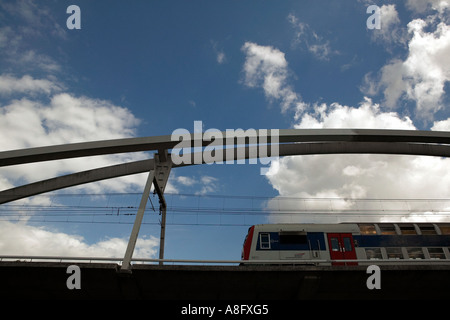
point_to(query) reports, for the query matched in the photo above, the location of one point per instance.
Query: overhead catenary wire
(199, 205)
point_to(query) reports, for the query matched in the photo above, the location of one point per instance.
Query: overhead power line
(196, 209)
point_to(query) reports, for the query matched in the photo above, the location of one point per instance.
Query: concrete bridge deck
(47, 280)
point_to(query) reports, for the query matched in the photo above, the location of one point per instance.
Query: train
(347, 244)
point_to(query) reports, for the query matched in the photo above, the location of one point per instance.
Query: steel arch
(291, 142)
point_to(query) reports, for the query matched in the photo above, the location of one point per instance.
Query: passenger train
(359, 243)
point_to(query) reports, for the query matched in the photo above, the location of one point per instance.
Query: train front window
(264, 240)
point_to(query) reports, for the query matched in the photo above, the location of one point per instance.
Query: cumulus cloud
(60, 117)
(22, 239)
(347, 177)
(266, 67)
(64, 119)
(390, 31)
(421, 6)
(30, 122)
(422, 76)
(442, 125)
(367, 115)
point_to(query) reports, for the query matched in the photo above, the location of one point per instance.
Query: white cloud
(22, 239)
(60, 118)
(266, 67)
(206, 184)
(32, 60)
(65, 119)
(220, 54)
(38, 19)
(26, 85)
(46, 115)
(390, 31)
(314, 43)
(421, 6)
(422, 76)
(221, 57)
(9, 40)
(356, 176)
(73, 119)
(186, 181)
(32, 21)
(442, 125)
(367, 115)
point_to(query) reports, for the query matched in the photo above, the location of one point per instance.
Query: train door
(341, 248)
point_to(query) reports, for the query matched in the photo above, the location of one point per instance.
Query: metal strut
(158, 176)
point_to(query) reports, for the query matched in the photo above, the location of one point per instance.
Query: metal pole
(163, 234)
(126, 264)
(163, 165)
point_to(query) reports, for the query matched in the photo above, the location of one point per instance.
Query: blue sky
(145, 68)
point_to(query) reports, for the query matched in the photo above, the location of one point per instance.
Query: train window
(445, 228)
(407, 229)
(334, 244)
(436, 253)
(415, 253)
(427, 229)
(394, 253)
(293, 238)
(367, 229)
(264, 240)
(387, 228)
(347, 244)
(373, 253)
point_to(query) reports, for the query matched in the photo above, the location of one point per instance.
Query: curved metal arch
(239, 153)
(83, 149)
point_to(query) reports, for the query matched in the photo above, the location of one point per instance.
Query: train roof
(312, 227)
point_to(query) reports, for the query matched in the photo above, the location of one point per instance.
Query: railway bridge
(128, 280)
(43, 279)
